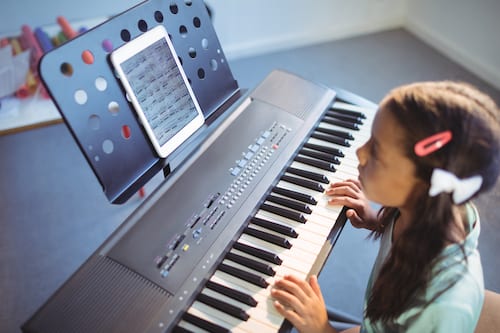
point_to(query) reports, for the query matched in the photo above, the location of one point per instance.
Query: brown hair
(424, 109)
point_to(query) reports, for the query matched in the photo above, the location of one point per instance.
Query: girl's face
(386, 174)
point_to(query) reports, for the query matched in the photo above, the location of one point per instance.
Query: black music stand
(83, 86)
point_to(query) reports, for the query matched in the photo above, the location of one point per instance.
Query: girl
(434, 147)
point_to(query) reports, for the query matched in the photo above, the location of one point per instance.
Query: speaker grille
(103, 296)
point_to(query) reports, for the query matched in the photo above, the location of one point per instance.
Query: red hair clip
(432, 143)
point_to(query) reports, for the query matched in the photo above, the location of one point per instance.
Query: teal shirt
(458, 308)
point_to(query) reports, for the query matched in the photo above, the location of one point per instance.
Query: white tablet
(157, 86)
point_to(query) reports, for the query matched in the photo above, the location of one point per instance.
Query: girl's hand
(302, 303)
(350, 193)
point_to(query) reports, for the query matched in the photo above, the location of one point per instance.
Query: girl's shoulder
(455, 291)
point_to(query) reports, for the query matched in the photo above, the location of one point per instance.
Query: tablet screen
(157, 86)
(160, 90)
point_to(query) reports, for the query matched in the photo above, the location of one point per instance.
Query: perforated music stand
(82, 84)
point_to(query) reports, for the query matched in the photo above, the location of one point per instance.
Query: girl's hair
(421, 110)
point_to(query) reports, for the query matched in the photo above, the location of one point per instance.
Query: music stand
(83, 86)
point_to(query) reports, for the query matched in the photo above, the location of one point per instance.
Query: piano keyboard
(244, 209)
(287, 232)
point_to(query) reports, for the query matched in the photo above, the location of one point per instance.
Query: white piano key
(258, 293)
(300, 266)
(357, 108)
(343, 149)
(263, 296)
(292, 265)
(319, 197)
(312, 226)
(193, 328)
(351, 150)
(322, 208)
(220, 318)
(334, 176)
(363, 129)
(271, 232)
(314, 218)
(321, 225)
(301, 269)
(293, 252)
(357, 135)
(307, 241)
(322, 212)
(280, 273)
(257, 313)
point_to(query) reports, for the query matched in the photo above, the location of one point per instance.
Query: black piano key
(232, 293)
(334, 132)
(349, 112)
(345, 117)
(341, 123)
(270, 238)
(316, 163)
(319, 155)
(279, 228)
(331, 138)
(250, 263)
(244, 275)
(287, 213)
(315, 186)
(295, 195)
(204, 324)
(259, 253)
(179, 329)
(292, 204)
(223, 306)
(324, 149)
(309, 175)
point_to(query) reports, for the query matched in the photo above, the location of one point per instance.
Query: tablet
(157, 87)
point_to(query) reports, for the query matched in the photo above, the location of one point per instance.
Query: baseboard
(455, 52)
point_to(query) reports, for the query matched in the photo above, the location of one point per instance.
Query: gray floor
(53, 214)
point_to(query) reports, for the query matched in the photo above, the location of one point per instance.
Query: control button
(254, 148)
(242, 163)
(266, 134)
(235, 171)
(248, 155)
(260, 141)
(197, 233)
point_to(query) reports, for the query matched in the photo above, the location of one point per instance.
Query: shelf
(22, 114)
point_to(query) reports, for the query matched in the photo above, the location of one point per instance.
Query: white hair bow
(462, 189)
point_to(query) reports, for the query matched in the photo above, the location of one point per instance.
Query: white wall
(258, 26)
(466, 31)
(15, 13)
(244, 27)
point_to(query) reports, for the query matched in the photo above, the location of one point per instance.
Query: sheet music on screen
(160, 90)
